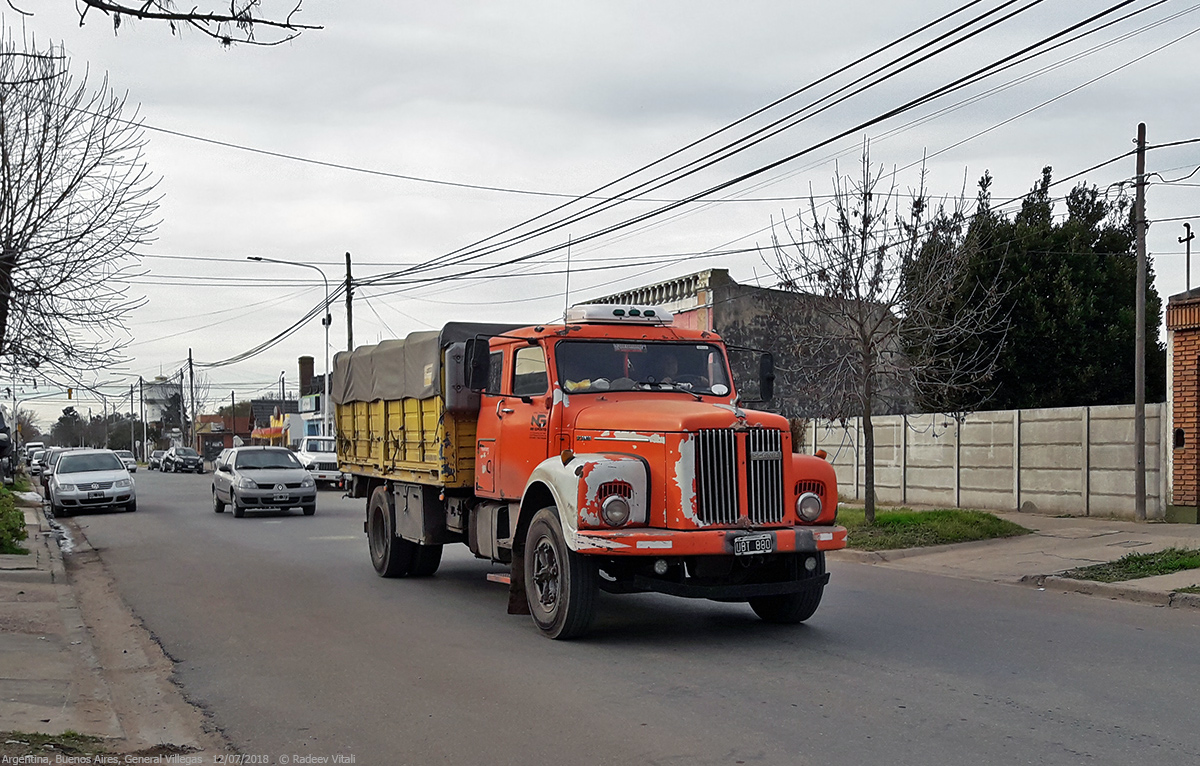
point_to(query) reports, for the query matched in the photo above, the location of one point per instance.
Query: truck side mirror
(766, 377)
(479, 357)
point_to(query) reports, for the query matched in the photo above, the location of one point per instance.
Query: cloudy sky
(540, 101)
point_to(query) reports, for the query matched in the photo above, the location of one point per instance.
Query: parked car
(156, 459)
(90, 478)
(35, 461)
(128, 459)
(255, 478)
(182, 459)
(30, 448)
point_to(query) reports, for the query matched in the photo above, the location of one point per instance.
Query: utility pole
(182, 414)
(232, 419)
(132, 421)
(192, 385)
(145, 432)
(1139, 369)
(349, 306)
(1188, 241)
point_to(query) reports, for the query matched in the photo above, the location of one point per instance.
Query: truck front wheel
(792, 608)
(560, 584)
(391, 555)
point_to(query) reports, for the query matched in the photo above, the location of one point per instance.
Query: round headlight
(615, 510)
(808, 507)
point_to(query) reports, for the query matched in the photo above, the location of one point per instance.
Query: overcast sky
(561, 98)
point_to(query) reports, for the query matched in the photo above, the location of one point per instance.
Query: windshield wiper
(658, 385)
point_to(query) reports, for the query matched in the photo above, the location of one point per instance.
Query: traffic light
(70, 393)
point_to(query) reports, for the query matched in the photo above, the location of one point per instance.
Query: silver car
(90, 478)
(128, 459)
(254, 478)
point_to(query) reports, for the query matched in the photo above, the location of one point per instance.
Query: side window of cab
(495, 372)
(529, 372)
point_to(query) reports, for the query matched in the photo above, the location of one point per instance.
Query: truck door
(524, 419)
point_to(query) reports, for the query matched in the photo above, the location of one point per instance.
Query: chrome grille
(764, 480)
(716, 476)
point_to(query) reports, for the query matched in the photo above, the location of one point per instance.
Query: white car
(316, 453)
(90, 478)
(128, 459)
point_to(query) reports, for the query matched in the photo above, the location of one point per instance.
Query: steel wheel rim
(377, 537)
(546, 573)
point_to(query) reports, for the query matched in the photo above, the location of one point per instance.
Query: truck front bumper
(644, 541)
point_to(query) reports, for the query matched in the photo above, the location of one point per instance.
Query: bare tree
(885, 328)
(235, 24)
(76, 200)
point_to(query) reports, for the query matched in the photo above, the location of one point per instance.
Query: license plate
(749, 545)
(281, 498)
(95, 495)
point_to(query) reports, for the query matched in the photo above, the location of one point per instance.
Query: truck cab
(319, 455)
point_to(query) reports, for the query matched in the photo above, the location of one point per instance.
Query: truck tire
(426, 560)
(390, 555)
(560, 584)
(792, 608)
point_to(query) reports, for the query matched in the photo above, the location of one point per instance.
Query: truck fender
(578, 488)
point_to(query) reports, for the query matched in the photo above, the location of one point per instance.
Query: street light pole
(326, 320)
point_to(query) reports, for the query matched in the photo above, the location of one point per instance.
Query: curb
(1113, 591)
(895, 554)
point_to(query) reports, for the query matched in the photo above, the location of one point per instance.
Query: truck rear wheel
(390, 555)
(560, 584)
(426, 560)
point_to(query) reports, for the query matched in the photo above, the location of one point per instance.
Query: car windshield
(320, 445)
(268, 458)
(157, 453)
(96, 461)
(37, 455)
(186, 452)
(598, 366)
(125, 453)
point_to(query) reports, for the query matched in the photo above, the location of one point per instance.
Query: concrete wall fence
(1074, 460)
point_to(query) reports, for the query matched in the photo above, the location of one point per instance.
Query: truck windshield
(597, 366)
(319, 445)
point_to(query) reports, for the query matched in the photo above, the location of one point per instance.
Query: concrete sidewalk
(49, 679)
(73, 658)
(1056, 545)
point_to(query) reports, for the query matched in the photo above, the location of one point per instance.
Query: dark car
(156, 459)
(182, 459)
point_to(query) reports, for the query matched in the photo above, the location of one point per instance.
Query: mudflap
(518, 602)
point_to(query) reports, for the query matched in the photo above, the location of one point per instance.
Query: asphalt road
(284, 634)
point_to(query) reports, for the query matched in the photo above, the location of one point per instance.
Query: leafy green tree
(1068, 289)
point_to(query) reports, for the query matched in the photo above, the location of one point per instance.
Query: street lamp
(326, 320)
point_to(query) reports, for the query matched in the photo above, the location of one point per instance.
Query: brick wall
(1183, 322)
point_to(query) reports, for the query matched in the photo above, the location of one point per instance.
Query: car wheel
(218, 504)
(238, 510)
(131, 506)
(560, 585)
(390, 555)
(309, 510)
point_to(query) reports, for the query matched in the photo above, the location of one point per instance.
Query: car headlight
(308, 482)
(246, 483)
(310, 467)
(615, 510)
(64, 487)
(808, 507)
(123, 483)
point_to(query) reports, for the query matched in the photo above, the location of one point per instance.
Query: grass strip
(1134, 566)
(906, 528)
(1189, 589)
(61, 748)
(12, 525)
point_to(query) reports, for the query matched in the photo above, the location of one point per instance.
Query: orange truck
(610, 452)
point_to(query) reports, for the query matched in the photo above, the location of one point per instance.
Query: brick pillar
(1183, 322)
